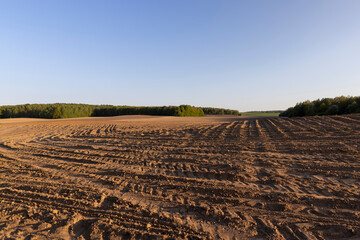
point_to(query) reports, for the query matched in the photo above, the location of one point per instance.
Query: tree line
(71, 110)
(324, 106)
(182, 110)
(220, 111)
(52, 111)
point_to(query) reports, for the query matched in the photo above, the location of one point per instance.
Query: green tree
(56, 113)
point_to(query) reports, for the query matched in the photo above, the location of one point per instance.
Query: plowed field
(180, 178)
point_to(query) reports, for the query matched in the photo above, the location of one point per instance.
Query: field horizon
(152, 160)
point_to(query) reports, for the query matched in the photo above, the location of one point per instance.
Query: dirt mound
(186, 178)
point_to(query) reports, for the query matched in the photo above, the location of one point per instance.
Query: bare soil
(140, 177)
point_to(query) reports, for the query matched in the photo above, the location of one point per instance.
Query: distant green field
(261, 114)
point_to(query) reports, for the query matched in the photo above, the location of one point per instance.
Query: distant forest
(182, 111)
(71, 110)
(220, 111)
(325, 106)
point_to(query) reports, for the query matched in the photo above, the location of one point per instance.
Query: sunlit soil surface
(180, 178)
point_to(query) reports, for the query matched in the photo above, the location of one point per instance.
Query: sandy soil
(180, 178)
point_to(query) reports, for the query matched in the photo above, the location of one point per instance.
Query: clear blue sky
(245, 55)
